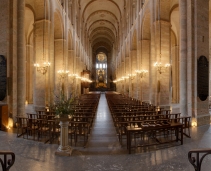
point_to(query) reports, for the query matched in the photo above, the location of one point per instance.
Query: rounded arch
(32, 9)
(134, 41)
(96, 0)
(127, 49)
(145, 28)
(103, 22)
(58, 26)
(29, 37)
(42, 8)
(174, 20)
(175, 27)
(29, 21)
(70, 40)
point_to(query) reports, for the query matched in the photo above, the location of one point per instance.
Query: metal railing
(5, 162)
(196, 159)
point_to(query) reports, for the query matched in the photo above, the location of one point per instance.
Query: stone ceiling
(101, 19)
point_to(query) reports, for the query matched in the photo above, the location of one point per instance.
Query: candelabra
(142, 73)
(42, 68)
(161, 68)
(131, 76)
(63, 73)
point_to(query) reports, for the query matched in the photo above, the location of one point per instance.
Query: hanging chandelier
(43, 68)
(63, 73)
(142, 73)
(160, 67)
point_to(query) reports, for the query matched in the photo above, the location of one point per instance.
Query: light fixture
(63, 73)
(142, 73)
(160, 67)
(85, 79)
(43, 68)
(131, 76)
(72, 75)
(194, 122)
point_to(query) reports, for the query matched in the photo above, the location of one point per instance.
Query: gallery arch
(101, 70)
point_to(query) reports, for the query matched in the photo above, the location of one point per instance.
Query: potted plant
(63, 106)
(64, 109)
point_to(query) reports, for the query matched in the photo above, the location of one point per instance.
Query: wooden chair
(82, 129)
(31, 115)
(21, 126)
(32, 127)
(121, 130)
(71, 131)
(42, 116)
(50, 117)
(186, 125)
(53, 131)
(42, 128)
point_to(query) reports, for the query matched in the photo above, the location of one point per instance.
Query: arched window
(101, 70)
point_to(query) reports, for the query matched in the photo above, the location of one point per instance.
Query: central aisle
(103, 138)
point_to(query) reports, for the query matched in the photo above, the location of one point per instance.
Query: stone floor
(103, 152)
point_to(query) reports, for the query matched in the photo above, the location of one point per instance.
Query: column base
(64, 152)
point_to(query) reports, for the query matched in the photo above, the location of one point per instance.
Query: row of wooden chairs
(127, 114)
(44, 126)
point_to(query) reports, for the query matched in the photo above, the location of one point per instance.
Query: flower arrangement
(63, 106)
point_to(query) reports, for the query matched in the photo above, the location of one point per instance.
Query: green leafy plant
(63, 106)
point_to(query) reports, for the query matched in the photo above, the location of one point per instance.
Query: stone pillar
(145, 90)
(153, 58)
(139, 51)
(64, 149)
(164, 78)
(133, 68)
(175, 74)
(200, 47)
(123, 75)
(127, 71)
(21, 56)
(29, 73)
(183, 56)
(41, 56)
(11, 36)
(71, 71)
(77, 69)
(59, 61)
(109, 72)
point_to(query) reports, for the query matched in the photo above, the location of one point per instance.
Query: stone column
(200, 47)
(64, 149)
(109, 72)
(139, 51)
(165, 58)
(153, 57)
(133, 68)
(71, 71)
(183, 56)
(21, 56)
(41, 56)
(59, 58)
(29, 73)
(123, 74)
(175, 74)
(127, 71)
(12, 58)
(145, 90)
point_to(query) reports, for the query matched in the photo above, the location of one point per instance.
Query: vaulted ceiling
(101, 19)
